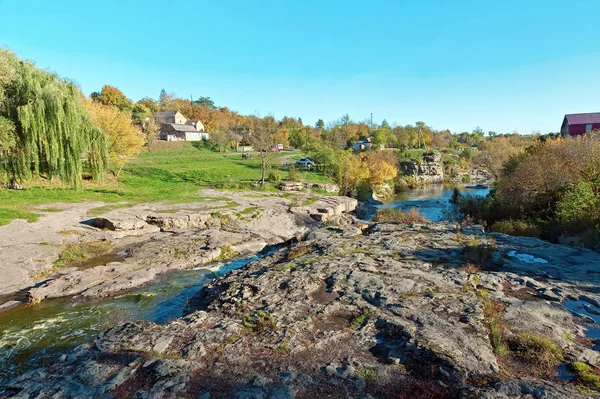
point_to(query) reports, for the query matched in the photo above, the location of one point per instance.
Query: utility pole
(371, 120)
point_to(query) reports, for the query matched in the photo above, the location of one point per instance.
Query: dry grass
(540, 353)
(471, 268)
(413, 216)
(299, 251)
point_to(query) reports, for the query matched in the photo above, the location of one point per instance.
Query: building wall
(581, 128)
(195, 136)
(179, 118)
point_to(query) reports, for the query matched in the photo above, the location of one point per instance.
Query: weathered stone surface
(429, 170)
(291, 186)
(201, 237)
(327, 187)
(383, 312)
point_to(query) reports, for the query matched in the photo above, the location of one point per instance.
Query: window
(588, 127)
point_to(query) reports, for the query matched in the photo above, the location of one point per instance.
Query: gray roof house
(175, 127)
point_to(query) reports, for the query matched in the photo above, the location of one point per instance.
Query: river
(32, 336)
(37, 335)
(432, 201)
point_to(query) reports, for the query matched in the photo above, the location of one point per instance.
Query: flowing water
(432, 201)
(37, 335)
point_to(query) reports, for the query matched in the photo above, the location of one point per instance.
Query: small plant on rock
(260, 322)
(585, 376)
(538, 351)
(299, 251)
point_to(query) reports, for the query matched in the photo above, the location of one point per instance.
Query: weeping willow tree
(47, 127)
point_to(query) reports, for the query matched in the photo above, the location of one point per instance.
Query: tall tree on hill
(44, 116)
(206, 101)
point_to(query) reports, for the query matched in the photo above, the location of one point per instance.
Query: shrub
(578, 206)
(476, 208)
(413, 216)
(274, 176)
(294, 175)
(516, 228)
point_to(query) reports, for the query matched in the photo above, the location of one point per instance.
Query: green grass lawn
(175, 175)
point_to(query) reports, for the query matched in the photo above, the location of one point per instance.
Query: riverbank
(423, 310)
(143, 241)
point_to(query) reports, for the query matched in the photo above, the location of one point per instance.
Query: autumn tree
(124, 138)
(112, 96)
(150, 104)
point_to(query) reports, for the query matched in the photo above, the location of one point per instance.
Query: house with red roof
(577, 124)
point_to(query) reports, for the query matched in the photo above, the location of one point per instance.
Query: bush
(578, 206)
(516, 228)
(413, 216)
(475, 208)
(274, 176)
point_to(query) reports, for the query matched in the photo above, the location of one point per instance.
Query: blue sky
(502, 65)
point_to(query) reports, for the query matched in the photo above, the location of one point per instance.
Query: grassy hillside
(173, 174)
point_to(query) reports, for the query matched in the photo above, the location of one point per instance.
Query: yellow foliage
(372, 168)
(380, 170)
(124, 138)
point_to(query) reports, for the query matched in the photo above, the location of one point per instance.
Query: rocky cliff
(384, 311)
(428, 171)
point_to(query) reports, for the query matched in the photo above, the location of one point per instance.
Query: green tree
(263, 140)
(297, 138)
(221, 138)
(8, 140)
(206, 101)
(320, 124)
(53, 132)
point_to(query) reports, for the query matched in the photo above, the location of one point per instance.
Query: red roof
(580, 119)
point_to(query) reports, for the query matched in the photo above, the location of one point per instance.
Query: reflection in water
(591, 314)
(431, 200)
(32, 336)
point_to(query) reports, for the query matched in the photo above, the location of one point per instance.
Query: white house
(175, 127)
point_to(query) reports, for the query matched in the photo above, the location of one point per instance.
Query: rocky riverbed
(143, 241)
(355, 311)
